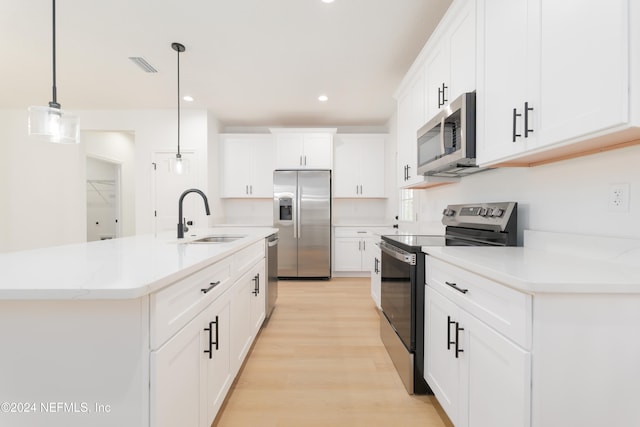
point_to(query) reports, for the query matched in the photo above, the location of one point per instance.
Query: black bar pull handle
(256, 280)
(211, 286)
(444, 98)
(449, 323)
(458, 349)
(527, 131)
(455, 286)
(210, 329)
(515, 116)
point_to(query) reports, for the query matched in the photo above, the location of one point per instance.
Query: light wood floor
(319, 361)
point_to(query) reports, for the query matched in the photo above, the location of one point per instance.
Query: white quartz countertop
(536, 270)
(123, 268)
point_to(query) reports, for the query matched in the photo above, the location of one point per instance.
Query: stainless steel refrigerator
(302, 215)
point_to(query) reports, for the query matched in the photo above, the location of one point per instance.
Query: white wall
(154, 130)
(568, 196)
(43, 184)
(42, 188)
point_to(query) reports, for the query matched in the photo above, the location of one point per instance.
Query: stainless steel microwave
(447, 143)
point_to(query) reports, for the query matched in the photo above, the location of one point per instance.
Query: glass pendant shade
(179, 166)
(53, 125)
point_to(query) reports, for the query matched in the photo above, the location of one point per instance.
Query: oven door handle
(397, 253)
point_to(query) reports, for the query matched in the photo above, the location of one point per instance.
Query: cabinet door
(177, 382)
(410, 117)
(347, 164)
(376, 278)
(241, 319)
(504, 68)
(372, 166)
(262, 167)
(348, 254)
(318, 151)
(217, 364)
(584, 71)
(437, 86)
(289, 150)
(462, 51)
(441, 366)
(497, 378)
(235, 166)
(258, 298)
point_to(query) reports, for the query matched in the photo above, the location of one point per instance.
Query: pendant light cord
(54, 101)
(178, 101)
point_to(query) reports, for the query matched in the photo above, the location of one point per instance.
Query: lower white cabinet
(376, 275)
(191, 373)
(354, 249)
(479, 376)
(248, 312)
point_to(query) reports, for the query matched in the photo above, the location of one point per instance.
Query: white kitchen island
(138, 331)
(543, 335)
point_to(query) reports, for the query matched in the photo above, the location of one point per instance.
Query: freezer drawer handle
(211, 342)
(455, 286)
(211, 286)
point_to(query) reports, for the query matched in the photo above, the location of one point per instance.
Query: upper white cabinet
(450, 66)
(359, 167)
(445, 68)
(304, 148)
(553, 76)
(247, 165)
(410, 118)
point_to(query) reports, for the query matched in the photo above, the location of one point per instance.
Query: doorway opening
(103, 199)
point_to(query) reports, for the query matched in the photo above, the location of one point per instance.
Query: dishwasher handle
(397, 253)
(272, 243)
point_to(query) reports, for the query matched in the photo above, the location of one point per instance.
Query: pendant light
(178, 47)
(51, 123)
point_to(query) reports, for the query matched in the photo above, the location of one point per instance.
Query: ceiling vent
(142, 63)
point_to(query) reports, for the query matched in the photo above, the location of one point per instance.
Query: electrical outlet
(619, 198)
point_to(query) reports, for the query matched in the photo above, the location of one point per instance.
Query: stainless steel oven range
(402, 291)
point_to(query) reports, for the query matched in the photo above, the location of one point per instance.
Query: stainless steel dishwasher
(272, 273)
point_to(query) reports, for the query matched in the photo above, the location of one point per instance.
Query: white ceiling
(250, 62)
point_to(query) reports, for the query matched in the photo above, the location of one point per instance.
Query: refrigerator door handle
(298, 219)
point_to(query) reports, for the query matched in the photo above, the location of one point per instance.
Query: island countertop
(122, 268)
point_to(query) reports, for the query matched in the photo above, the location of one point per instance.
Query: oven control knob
(497, 212)
(483, 211)
(448, 212)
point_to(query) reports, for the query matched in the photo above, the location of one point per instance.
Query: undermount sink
(217, 238)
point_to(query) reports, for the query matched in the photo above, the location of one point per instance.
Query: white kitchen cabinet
(359, 166)
(258, 295)
(475, 365)
(304, 149)
(247, 165)
(191, 372)
(552, 77)
(411, 116)
(354, 249)
(376, 274)
(450, 66)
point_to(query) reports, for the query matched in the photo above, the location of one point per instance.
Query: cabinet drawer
(504, 309)
(352, 232)
(247, 257)
(174, 306)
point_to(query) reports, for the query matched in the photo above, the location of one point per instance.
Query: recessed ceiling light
(327, 1)
(323, 98)
(188, 98)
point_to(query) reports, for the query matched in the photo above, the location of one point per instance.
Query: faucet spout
(181, 224)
